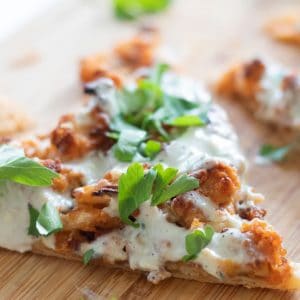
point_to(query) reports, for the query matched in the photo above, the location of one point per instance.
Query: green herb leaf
(188, 120)
(14, 166)
(48, 220)
(33, 216)
(180, 185)
(196, 241)
(87, 256)
(151, 148)
(148, 111)
(128, 143)
(131, 9)
(273, 153)
(137, 103)
(45, 222)
(158, 71)
(163, 178)
(134, 189)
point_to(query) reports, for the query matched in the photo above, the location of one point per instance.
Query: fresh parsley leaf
(14, 166)
(176, 112)
(158, 71)
(196, 241)
(147, 111)
(113, 135)
(151, 148)
(87, 256)
(163, 191)
(132, 9)
(273, 153)
(163, 178)
(134, 189)
(33, 216)
(186, 121)
(128, 143)
(45, 222)
(137, 103)
(49, 220)
(118, 124)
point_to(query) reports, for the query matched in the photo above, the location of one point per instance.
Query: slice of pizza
(147, 177)
(270, 91)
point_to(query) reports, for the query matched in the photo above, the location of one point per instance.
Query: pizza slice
(269, 91)
(147, 177)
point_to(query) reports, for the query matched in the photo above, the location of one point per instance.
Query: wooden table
(206, 36)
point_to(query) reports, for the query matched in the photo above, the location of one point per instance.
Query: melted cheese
(14, 214)
(156, 241)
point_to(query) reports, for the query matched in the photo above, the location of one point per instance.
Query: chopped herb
(132, 9)
(273, 153)
(136, 187)
(147, 112)
(16, 167)
(87, 256)
(176, 112)
(128, 143)
(151, 148)
(196, 241)
(158, 71)
(164, 191)
(45, 222)
(33, 216)
(188, 120)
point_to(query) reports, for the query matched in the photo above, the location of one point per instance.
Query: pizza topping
(45, 222)
(157, 113)
(130, 10)
(268, 90)
(138, 51)
(196, 241)
(134, 188)
(285, 28)
(219, 183)
(158, 184)
(268, 153)
(87, 256)
(16, 167)
(129, 144)
(269, 244)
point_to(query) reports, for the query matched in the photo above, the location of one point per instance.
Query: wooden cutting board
(38, 70)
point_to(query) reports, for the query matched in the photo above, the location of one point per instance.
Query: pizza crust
(189, 271)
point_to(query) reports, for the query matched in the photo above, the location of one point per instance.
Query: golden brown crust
(182, 270)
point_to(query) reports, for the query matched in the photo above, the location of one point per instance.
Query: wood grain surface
(205, 36)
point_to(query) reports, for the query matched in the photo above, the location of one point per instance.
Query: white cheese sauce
(197, 147)
(14, 214)
(157, 241)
